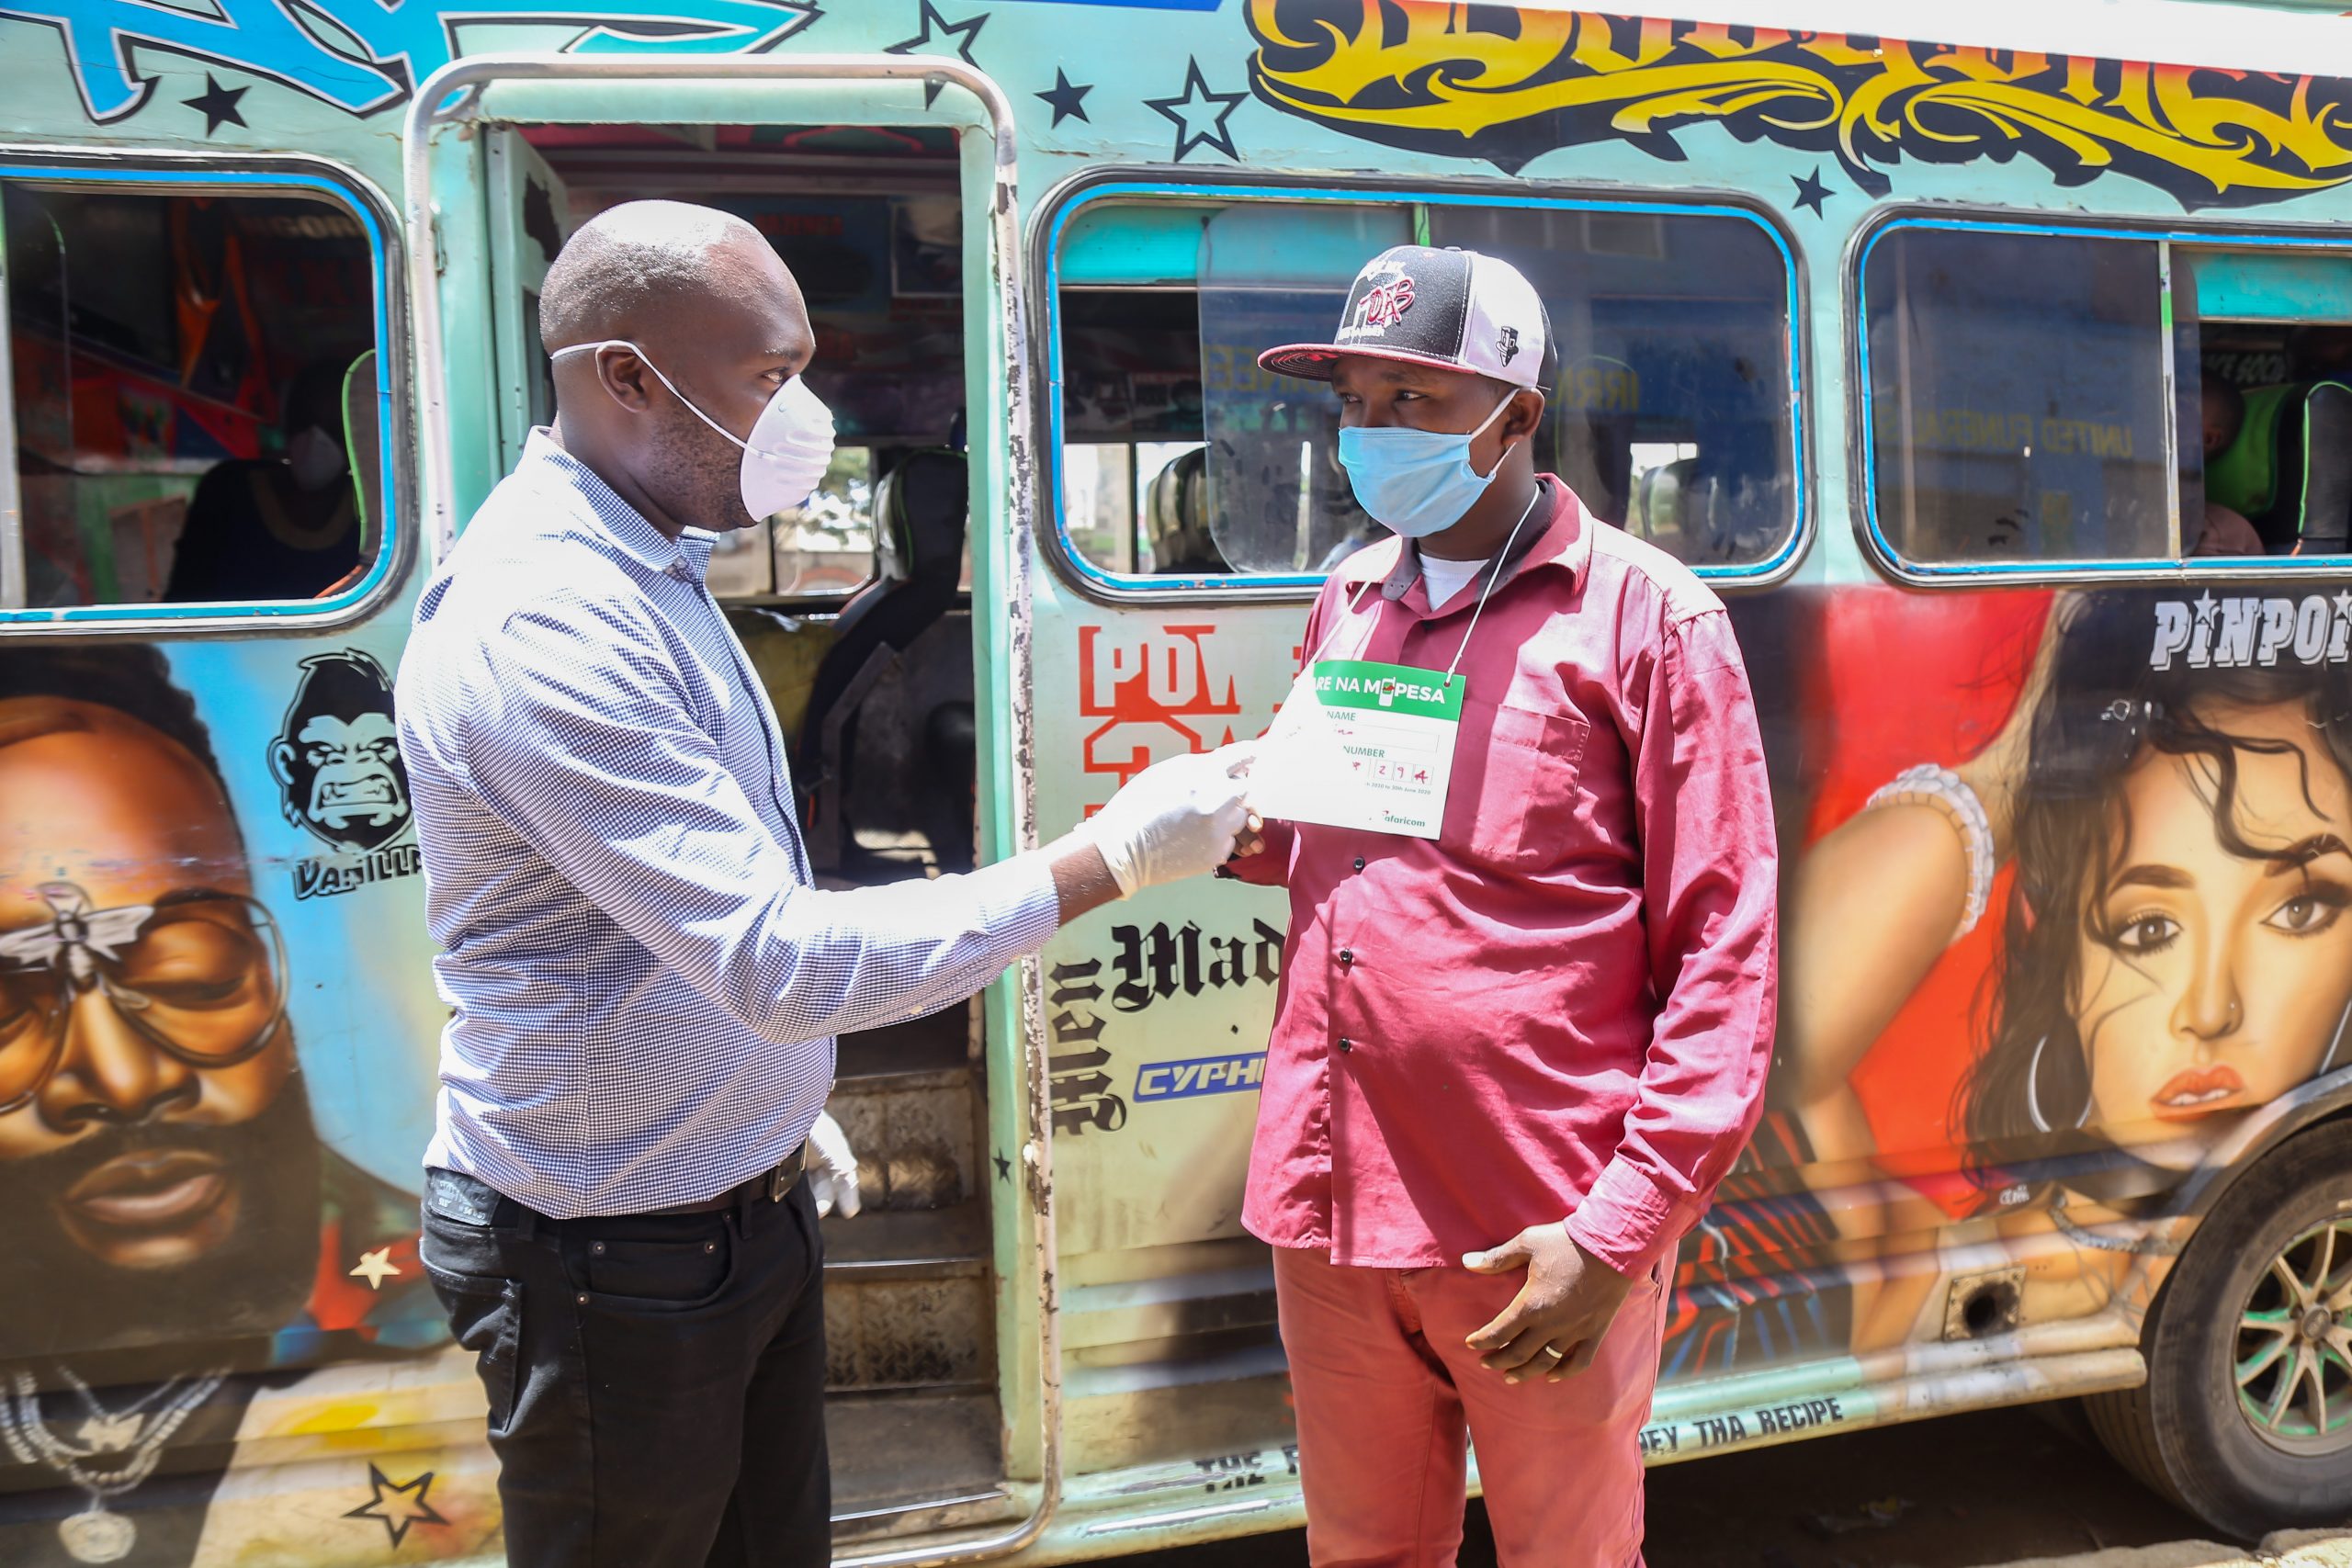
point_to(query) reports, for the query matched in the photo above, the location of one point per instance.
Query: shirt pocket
(1512, 800)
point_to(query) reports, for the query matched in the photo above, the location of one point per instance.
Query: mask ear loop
(623, 342)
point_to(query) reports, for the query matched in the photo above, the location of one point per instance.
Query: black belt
(769, 1186)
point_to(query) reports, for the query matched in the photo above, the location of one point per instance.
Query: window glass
(1131, 408)
(2018, 408)
(1668, 413)
(192, 375)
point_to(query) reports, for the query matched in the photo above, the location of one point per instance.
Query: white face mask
(313, 459)
(791, 443)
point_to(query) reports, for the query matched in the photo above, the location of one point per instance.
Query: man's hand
(1554, 1326)
(832, 1170)
(1175, 819)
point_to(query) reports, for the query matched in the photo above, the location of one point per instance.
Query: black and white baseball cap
(1454, 309)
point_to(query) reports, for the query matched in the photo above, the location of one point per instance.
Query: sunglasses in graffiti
(198, 975)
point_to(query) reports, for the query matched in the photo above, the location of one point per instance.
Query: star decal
(934, 27)
(397, 1504)
(2205, 607)
(1067, 100)
(1811, 191)
(2344, 604)
(375, 1267)
(1003, 1168)
(219, 104)
(1190, 110)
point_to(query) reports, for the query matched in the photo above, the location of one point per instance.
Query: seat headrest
(921, 510)
(1176, 518)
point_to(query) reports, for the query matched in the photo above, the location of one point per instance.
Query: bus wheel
(2246, 1419)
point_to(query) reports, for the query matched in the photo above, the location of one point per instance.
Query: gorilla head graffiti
(337, 758)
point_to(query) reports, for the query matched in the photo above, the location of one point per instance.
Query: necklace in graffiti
(90, 1460)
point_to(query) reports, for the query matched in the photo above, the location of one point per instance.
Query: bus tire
(2234, 1457)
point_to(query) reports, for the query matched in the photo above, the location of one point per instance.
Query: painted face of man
(153, 1150)
(2214, 981)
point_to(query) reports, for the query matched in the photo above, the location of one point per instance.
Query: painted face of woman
(2212, 981)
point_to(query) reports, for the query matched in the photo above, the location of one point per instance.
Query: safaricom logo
(2230, 634)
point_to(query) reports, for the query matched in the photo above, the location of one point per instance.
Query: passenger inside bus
(180, 367)
(280, 527)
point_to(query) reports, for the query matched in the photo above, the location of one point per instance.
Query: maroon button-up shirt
(1564, 1005)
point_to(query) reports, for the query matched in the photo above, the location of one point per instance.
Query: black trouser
(657, 1382)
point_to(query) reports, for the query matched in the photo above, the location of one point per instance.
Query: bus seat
(919, 510)
(2288, 472)
(1176, 516)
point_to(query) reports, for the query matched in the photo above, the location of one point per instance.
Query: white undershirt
(1446, 578)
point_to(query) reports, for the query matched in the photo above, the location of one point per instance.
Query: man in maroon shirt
(1519, 800)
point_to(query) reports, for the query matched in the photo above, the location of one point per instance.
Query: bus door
(528, 222)
(883, 621)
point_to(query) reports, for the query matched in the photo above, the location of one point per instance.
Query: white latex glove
(1175, 819)
(833, 1168)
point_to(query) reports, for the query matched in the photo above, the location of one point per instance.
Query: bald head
(632, 267)
(696, 295)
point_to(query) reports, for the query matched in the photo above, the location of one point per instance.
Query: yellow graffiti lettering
(1383, 67)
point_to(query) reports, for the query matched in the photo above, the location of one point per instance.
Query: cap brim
(1315, 361)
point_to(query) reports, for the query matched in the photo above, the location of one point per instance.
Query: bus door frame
(448, 100)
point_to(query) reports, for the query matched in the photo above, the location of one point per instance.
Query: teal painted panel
(1131, 245)
(2272, 287)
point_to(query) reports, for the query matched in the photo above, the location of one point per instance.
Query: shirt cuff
(1625, 1221)
(1020, 908)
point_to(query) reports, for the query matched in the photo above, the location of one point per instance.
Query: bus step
(909, 1244)
(896, 1453)
(897, 1329)
(915, 1137)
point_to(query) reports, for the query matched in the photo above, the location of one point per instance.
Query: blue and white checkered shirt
(645, 986)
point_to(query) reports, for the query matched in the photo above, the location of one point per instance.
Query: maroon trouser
(1387, 1390)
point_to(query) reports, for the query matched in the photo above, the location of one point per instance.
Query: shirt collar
(616, 522)
(1564, 541)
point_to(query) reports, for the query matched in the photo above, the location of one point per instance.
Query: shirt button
(1346, 957)
(1359, 862)
(1346, 1044)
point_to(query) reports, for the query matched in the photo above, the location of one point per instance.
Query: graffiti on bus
(2049, 942)
(359, 56)
(176, 1226)
(1508, 86)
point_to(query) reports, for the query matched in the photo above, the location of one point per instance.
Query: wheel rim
(2293, 1357)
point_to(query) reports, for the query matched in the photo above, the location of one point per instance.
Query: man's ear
(625, 376)
(1526, 413)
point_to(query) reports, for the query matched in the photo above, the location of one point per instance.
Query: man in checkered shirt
(644, 985)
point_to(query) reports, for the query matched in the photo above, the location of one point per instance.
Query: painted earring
(2033, 1093)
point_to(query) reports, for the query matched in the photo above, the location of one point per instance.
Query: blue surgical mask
(1416, 482)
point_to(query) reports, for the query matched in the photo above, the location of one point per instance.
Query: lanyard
(1494, 576)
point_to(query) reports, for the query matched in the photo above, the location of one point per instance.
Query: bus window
(2018, 408)
(2267, 449)
(183, 371)
(2018, 412)
(1669, 410)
